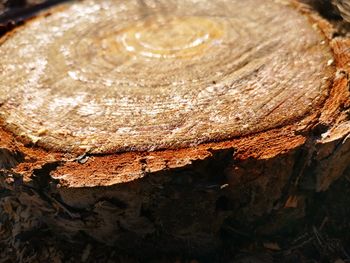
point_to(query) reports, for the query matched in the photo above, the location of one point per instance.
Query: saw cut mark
(111, 76)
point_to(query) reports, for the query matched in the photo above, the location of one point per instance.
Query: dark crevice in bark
(41, 176)
(10, 159)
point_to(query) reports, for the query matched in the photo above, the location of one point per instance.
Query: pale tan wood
(131, 75)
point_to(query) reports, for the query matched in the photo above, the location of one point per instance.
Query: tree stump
(167, 127)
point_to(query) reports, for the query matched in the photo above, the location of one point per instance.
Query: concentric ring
(109, 76)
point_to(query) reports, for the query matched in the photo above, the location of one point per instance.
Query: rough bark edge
(135, 165)
(281, 177)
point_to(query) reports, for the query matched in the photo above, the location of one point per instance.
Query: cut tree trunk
(167, 127)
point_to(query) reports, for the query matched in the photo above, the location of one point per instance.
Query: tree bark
(167, 128)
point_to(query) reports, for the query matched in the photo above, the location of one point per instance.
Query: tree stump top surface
(109, 76)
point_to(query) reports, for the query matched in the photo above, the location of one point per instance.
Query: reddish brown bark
(194, 200)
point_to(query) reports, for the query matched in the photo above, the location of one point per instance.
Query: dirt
(319, 236)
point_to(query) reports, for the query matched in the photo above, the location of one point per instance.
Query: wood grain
(64, 80)
(117, 76)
